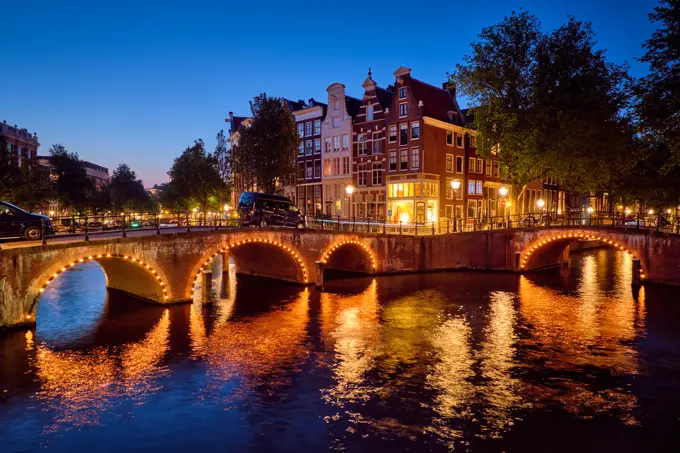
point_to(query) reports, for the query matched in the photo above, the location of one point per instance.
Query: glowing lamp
(503, 191)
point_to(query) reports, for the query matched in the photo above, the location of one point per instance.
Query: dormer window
(402, 93)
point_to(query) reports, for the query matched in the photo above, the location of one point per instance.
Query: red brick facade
(23, 147)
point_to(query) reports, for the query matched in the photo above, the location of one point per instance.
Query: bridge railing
(123, 224)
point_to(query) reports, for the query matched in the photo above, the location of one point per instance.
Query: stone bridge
(165, 268)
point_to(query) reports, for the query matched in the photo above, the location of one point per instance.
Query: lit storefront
(412, 201)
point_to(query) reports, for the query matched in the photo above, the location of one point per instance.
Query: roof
(236, 123)
(352, 105)
(384, 96)
(296, 105)
(437, 102)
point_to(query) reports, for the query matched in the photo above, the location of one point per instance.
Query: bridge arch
(350, 255)
(124, 273)
(244, 252)
(547, 250)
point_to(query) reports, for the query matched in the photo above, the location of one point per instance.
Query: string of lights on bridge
(543, 242)
(327, 255)
(132, 259)
(296, 256)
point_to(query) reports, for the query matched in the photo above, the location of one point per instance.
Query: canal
(566, 360)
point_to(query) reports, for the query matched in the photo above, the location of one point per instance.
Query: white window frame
(401, 158)
(301, 148)
(450, 156)
(402, 93)
(415, 152)
(317, 127)
(472, 165)
(403, 127)
(317, 146)
(449, 134)
(301, 130)
(393, 128)
(459, 141)
(362, 145)
(462, 164)
(405, 109)
(308, 129)
(417, 127)
(345, 141)
(479, 188)
(309, 148)
(396, 161)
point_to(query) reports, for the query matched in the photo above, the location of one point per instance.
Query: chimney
(450, 87)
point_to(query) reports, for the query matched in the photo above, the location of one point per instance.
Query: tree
(127, 192)
(265, 154)
(550, 105)
(36, 188)
(73, 187)
(658, 106)
(223, 165)
(194, 179)
(10, 174)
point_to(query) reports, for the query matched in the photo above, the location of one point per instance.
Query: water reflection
(438, 362)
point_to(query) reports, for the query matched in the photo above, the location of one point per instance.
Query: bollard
(206, 290)
(42, 232)
(87, 237)
(188, 223)
(158, 224)
(124, 234)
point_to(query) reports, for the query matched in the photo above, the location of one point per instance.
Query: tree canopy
(73, 187)
(549, 104)
(194, 179)
(265, 154)
(127, 192)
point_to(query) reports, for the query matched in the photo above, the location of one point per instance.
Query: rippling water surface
(566, 360)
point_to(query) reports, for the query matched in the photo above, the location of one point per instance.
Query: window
(393, 161)
(449, 163)
(415, 130)
(402, 93)
(336, 143)
(317, 146)
(301, 170)
(310, 169)
(301, 149)
(308, 128)
(328, 144)
(403, 159)
(449, 138)
(459, 164)
(336, 166)
(317, 191)
(363, 174)
(377, 173)
(336, 105)
(472, 165)
(327, 167)
(393, 134)
(471, 187)
(473, 141)
(472, 209)
(377, 143)
(317, 168)
(361, 145)
(308, 147)
(403, 111)
(403, 134)
(449, 189)
(488, 168)
(479, 187)
(480, 166)
(317, 127)
(301, 130)
(495, 169)
(459, 140)
(415, 158)
(449, 211)
(345, 165)
(369, 113)
(345, 141)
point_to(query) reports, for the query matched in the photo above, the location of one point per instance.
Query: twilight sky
(137, 81)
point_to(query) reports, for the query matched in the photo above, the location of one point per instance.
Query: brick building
(309, 191)
(336, 139)
(22, 146)
(369, 151)
(236, 124)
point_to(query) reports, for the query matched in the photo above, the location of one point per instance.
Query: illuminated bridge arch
(260, 257)
(350, 255)
(124, 273)
(547, 250)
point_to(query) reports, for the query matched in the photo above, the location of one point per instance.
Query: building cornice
(448, 126)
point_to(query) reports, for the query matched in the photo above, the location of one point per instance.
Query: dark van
(263, 209)
(17, 223)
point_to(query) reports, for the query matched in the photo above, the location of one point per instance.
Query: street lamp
(52, 213)
(540, 203)
(226, 208)
(455, 185)
(503, 191)
(349, 189)
(627, 211)
(651, 212)
(590, 209)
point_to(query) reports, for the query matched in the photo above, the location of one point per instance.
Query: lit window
(327, 167)
(473, 141)
(393, 134)
(471, 187)
(479, 187)
(480, 166)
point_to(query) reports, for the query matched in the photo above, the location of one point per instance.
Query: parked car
(17, 223)
(262, 209)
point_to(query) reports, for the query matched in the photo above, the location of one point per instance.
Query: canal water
(567, 360)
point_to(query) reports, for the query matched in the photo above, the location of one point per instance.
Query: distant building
(237, 124)
(22, 146)
(98, 175)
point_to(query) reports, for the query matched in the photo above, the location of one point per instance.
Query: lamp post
(455, 185)
(590, 214)
(503, 192)
(349, 189)
(540, 203)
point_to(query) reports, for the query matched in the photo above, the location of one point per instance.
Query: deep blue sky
(137, 82)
